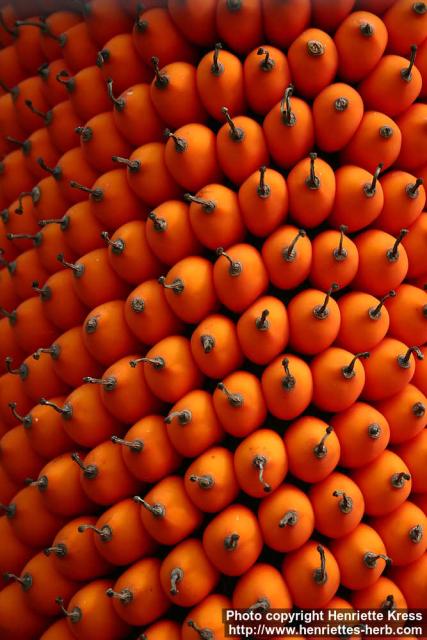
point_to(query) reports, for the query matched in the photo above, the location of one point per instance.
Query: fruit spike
(375, 312)
(340, 253)
(177, 285)
(35, 237)
(162, 81)
(117, 246)
(261, 323)
(63, 77)
(137, 304)
(44, 28)
(393, 253)
(66, 411)
(389, 603)
(268, 63)
(217, 67)
(404, 359)
(371, 559)
(366, 29)
(42, 483)
(312, 181)
(157, 363)
(288, 380)
(288, 117)
(374, 431)
(105, 533)
(208, 343)
(26, 581)
(346, 503)
(263, 189)
(204, 634)
(96, 194)
(341, 104)
(321, 311)
(54, 352)
(204, 482)
(420, 8)
(176, 575)
(74, 616)
(3, 261)
(56, 172)
(319, 575)
(140, 25)
(136, 446)
(260, 462)
(45, 292)
(26, 421)
(102, 57)
(25, 145)
(132, 165)
(109, 383)
(398, 480)
(236, 267)
(20, 209)
(370, 189)
(9, 509)
(416, 534)
(207, 205)
(119, 103)
(231, 541)
(91, 325)
(413, 190)
(157, 510)
(235, 399)
(407, 72)
(315, 48)
(180, 143)
(22, 371)
(320, 450)
(14, 91)
(125, 595)
(289, 253)
(90, 471)
(234, 5)
(12, 316)
(60, 550)
(290, 519)
(386, 131)
(419, 409)
(236, 133)
(262, 604)
(77, 268)
(348, 371)
(85, 133)
(184, 417)
(159, 224)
